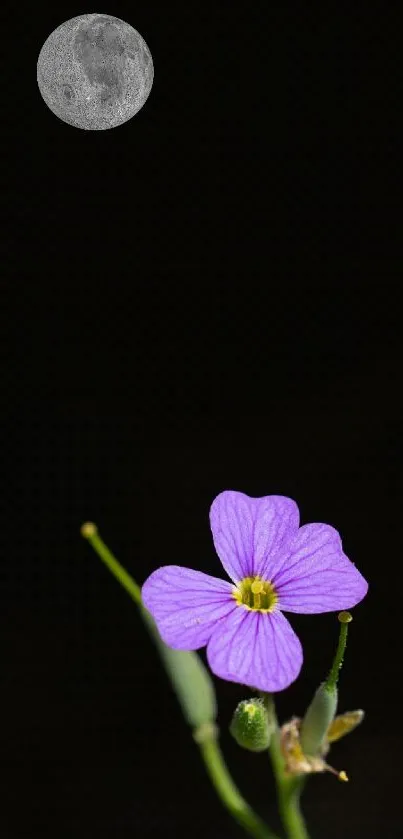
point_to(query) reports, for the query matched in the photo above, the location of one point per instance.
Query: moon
(95, 72)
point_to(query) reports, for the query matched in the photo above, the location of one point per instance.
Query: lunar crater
(95, 71)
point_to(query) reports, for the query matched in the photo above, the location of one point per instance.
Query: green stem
(331, 682)
(289, 789)
(228, 792)
(90, 532)
(205, 736)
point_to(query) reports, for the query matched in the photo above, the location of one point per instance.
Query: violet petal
(186, 605)
(246, 531)
(316, 575)
(254, 649)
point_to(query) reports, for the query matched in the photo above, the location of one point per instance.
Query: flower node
(256, 594)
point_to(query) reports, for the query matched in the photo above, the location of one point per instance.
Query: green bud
(189, 677)
(317, 719)
(250, 725)
(192, 684)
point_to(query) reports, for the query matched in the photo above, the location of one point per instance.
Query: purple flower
(275, 567)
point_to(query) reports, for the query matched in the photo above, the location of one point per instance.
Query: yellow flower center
(256, 594)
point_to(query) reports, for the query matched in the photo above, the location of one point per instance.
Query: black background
(204, 298)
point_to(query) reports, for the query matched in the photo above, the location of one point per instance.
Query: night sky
(206, 300)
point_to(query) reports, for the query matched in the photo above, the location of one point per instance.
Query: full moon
(95, 72)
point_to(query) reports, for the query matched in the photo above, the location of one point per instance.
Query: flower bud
(322, 709)
(250, 725)
(317, 719)
(189, 677)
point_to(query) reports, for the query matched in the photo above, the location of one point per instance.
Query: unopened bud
(250, 725)
(317, 719)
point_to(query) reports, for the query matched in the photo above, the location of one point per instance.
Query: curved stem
(228, 792)
(289, 789)
(205, 736)
(90, 532)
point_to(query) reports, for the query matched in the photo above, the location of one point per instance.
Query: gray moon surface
(65, 88)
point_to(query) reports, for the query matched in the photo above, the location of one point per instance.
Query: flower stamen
(256, 594)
